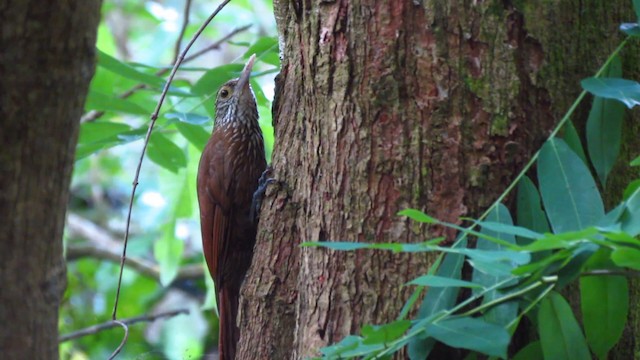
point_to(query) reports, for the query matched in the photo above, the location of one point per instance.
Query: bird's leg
(256, 203)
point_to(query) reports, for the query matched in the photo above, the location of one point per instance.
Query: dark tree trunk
(394, 104)
(46, 62)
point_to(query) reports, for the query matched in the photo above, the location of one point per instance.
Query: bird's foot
(258, 195)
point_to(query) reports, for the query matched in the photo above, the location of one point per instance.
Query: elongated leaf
(189, 118)
(382, 334)
(91, 132)
(568, 190)
(530, 214)
(631, 29)
(441, 281)
(572, 139)
(116, 66)
(194, 133)
(486, 275)
(438, 299)
(211, 80)
(626, 257)
(103, 102)
(472, 334)
(625, 91)
(533, 351)
(636, 7)
(560, 334)
(630, 219)
(166, 153)
(266, 49)
(604, 304)
(417, 215)
(604, 128)
(635, 162)
(508, 229)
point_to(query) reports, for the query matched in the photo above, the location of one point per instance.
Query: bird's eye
(224, 93)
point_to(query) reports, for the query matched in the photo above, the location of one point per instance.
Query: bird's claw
(256, 203)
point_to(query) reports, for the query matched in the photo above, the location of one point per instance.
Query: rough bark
(386, 105)
(47, 60)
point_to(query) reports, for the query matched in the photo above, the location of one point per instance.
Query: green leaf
(211, 80)
(630, 218)
(188, 118)
(508, 229)
(472, 334)
(533, 351)
(114, 65)
(529, 211)
(166, 153)
(625, 91)
(626, 257)
(382, 334)
(417, 215)
(194, 133)
(441, 281)
(569, 193)
(605, 304)
(604, 129)
(572, 139)
(636, 7)
(438, 299)
(266, 50)
(560, 334)
(91, 132)
(485, 273)
(635, 162)
(103, 102)
(631, 29)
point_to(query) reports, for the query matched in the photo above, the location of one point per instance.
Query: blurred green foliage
(136, 43)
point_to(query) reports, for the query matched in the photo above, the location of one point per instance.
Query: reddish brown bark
(382, 106)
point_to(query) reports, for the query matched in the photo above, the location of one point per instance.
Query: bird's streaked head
(235, 101)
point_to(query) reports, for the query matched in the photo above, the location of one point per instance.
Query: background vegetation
(137, 43)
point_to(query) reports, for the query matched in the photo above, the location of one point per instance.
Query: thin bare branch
(93, 115)
(183, 29)
(124, 322)
(154, 117)
(124, 339)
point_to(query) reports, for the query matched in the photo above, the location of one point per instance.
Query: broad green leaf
(438, 299)
(530, 214)
(485, 273)
(604, 128)
(417, 215)
(211, 80)
(572, 139)
(91, 132)
(636, 7)
(188, 118)
(631, 29)
(572, 269)
(626, 257)
(382, 334)
(630, 218)
(103, 102)
(116, 66)
(472, 334)
(560, 334)
(166, 153)
(441, 281)
(533, 351)
(625, 91)
(194, 133)
(508, 229)
(569, 193)
(635, 162)
(605, 304)
(266, 50)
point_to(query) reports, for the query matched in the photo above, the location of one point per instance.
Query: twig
(124, 339)
(607, 272)
(144, 267)
(185, 23)
(93, 115)
(111, 324)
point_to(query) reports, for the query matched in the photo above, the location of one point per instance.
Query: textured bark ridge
(382, 106)
(47, 61)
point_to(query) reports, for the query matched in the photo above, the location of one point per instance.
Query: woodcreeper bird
(230, 168)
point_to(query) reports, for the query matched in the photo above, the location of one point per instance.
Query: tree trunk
(47, 60)
(387, 105)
